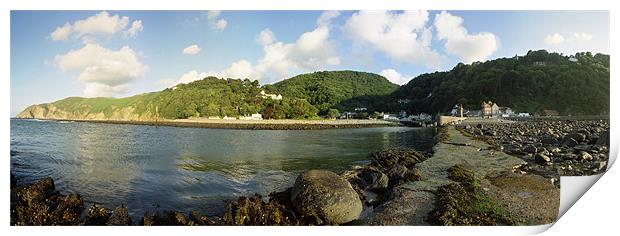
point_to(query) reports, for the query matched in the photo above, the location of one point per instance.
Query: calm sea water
(158, 168)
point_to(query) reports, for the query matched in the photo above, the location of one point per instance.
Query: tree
(333, 113)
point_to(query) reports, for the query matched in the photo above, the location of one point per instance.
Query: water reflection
(150, 168)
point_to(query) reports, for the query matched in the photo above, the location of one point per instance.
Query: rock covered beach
(551, 147)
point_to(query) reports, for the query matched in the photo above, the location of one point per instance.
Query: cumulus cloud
(192, 49)
(468, 47)
(213, 14)
(326, 17)
(215, 20)
(311, 51)
(105, 72)
(241, 69)
(582, 36)
(395, 77)
(401, 36)
(557, 38)
(100, 25)
(220, 24)
(136, 26)
(61, 33)
(265, 37)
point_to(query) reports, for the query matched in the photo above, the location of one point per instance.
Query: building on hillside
(255, 116)
(487, 109)
(272, 96)
(573, 59)
(390, 117)
(506, 111)
(523, 114)
(473, 113)
(540, 63)
(457, 110)
(495, 112)
(360, 109)
(546, 112)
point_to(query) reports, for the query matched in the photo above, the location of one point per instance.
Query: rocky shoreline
(250, 125)
(306, 203)
(551, 147)
(464, 181)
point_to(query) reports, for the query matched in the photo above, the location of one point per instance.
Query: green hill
(530, 83)
(343, 90)
(224, 97)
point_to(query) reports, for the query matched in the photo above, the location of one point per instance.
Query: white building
(573, 59)
(256, 116)
(272, 96)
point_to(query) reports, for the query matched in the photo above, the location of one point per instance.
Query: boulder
(579, 137)
(585, 156)
(39, 191)
(325, 195)
(569, 142)
(542, 159)
(530, 149)
(548, 140)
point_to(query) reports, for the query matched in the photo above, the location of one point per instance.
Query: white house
(272, 96)
(256, 116)
(573, 59)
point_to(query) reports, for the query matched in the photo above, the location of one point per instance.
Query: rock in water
(120, 216)
(325, 195)
(39, 191)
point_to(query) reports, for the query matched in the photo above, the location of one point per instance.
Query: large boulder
(327, 196)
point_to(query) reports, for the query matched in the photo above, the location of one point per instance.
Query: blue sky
(57, 54)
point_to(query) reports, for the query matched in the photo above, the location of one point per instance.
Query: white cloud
(582, 36)
(136, 26)
(191, 77)
(61, 33)
(104, 90)
(105, 72)
(192, 49)
(265, 37)
(241, 69)
(220, 24)
(468, 47)
(312, 51)
(401, 36)
(555, 38)
(100, 25)
(395, 77)
(326, 17)
(213, 14)
(215, 20)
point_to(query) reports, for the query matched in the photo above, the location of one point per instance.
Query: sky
(58, 54)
